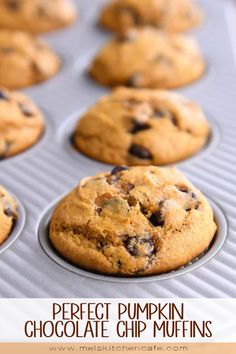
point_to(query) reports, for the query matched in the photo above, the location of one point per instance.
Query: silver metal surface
(51, 168)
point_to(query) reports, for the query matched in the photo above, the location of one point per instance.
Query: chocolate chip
(193, 195)
(183, 189)
(186, 189)
(162, 113)
(140, 152)
(4, 151)
(127, 187)
(26, 110)
(143, 210)
(9, 211)
(3, 96)
(139, 246)
(118, 264)
(138, 127)
(133, 81)
(157, 218)
(36, 68)
(131, 201)
(188, 209)
(101, 245)
(13, 5)
(118, 169)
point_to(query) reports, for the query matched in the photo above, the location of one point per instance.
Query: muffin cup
(216, 245)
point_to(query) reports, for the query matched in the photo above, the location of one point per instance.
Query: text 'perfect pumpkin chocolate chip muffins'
(141, 127)
(36, 15)
(21, 123)
(8, 214)
(169, 15)
(25, 60)
(148, 58)
(133, 222)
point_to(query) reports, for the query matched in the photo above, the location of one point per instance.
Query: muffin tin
(42, 174)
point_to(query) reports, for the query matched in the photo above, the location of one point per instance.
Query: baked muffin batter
(141, 127)
(148, 58)
(25, 60)
(21, 123)
(134, 221)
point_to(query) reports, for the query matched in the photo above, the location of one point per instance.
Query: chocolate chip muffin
(36, 15)
(25, 60)
(8, 214)
(169, 15)
(141, 127)
(21, 123)
(148, 58)
(134, 221)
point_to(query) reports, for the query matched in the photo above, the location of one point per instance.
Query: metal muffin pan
(52, 168)
(217, 243)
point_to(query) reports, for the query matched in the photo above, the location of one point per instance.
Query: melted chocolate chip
(157, 218)
(131, 201)
(130, 11)
(118, 169)
(127, 187)
(36, 68)
(129, 36)
(138, 127)
(140, 246)
(183, 189)
(26, 110)
(162, 113)
(140, 152)
(9, 211)
(133, 81)
(118, 263)
(5, 150)
(3, 96)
